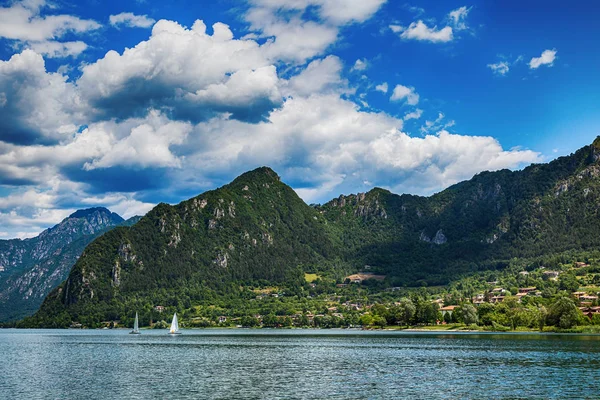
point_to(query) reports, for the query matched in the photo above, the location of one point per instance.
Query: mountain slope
(257, 230)
(476, 224)
(33, 267)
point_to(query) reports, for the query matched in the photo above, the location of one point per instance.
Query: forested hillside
(257, 231)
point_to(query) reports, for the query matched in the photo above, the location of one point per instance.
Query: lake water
(295, 364)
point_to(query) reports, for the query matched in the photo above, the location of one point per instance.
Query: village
(472, 303)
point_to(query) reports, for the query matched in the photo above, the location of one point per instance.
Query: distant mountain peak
(84, 213)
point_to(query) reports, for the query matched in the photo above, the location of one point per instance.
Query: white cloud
(294, 38)
(405, 93)
(420, 31)
(360, 65)
(53, 49)
(439, 124)
(500, 68)
(319, 76)
(176, 65)
(147, 144)
(383, 88)
(22, 21)
(38, 106)
(131, 20)
(547, 58)
(458, 18)
(413, 115)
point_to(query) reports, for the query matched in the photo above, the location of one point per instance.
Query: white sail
(174, 325)
(136, 328)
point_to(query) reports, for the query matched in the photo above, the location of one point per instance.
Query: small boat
(174, 326)
(136, 328)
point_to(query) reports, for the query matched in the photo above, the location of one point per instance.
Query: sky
(125, 104)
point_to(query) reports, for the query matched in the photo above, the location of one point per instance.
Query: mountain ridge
(256, 229)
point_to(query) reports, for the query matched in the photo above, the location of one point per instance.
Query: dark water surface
(295, 364)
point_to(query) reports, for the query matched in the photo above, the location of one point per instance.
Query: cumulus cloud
(420, 31)
(185, 72)
(53, 49)
(547, 58)
(413, 115)
(22, 21)
(500, 68)
(406, 94)
(360, 65)
(294, 38)
(131, 20)
(319, 76)
(383, 88)
(146, 145)
(36, 106)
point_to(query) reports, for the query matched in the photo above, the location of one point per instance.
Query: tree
(542, 315)
(568, 282)
(378, 320)
(563, 313)
(469, 314)
(485, 313)
(406, 311)
(366, 320)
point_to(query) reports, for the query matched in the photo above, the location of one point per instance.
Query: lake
(295, 364)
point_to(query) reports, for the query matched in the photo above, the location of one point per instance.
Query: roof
(365, 276)
(448, 308)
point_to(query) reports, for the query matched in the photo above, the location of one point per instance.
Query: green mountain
(31, 268)
(256, 230)
(476, 224)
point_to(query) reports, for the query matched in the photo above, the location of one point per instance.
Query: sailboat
(174, 326)
(136, 328)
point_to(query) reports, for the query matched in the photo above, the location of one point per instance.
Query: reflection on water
(296, 364)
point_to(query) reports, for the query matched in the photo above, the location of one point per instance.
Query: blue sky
(127, 104)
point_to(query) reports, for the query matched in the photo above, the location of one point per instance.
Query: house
(581, 264)
(448, 310)
(590, 311)
(478, 299)
(222, 319)
(523, 273)
(341, 285)
(520, 296)
(359, 278)
(527, 290)
(497, 299)
(159, 308)
(588, 297)
(498, 290)
(439, 302)
(578, 294)
(552, 275)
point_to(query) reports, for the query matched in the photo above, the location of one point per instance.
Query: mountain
(476, 224)
(31, 268)
(257, 231)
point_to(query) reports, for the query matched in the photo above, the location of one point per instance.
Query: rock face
(33, 267)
